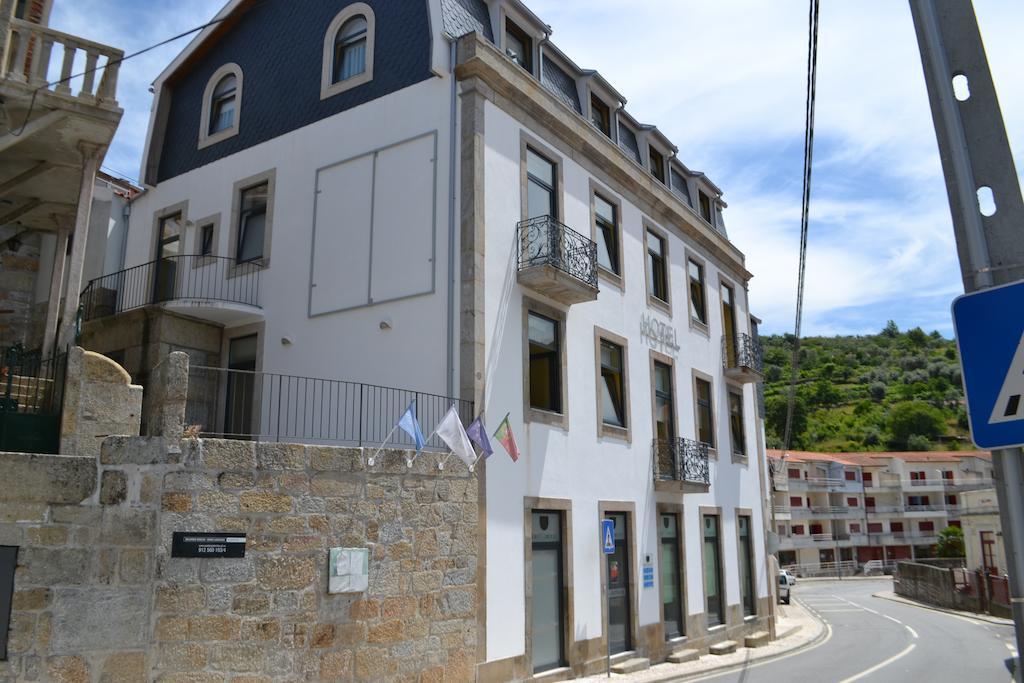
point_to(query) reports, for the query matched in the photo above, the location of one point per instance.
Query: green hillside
(889, 391)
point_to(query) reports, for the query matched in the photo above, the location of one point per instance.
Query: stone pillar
(6, 14)
(56, 280)
(91, 155)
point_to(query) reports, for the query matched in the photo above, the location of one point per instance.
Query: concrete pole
(91, 155)
(56, 280)
(976, 155)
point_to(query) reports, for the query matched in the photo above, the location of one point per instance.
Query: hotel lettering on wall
(658, 335)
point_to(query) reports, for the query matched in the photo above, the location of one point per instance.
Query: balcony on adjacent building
(680, 465)
(212, 288)
(742, 358)
(557, 261)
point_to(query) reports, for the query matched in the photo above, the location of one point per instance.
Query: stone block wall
(98, 596)
(99, 401)
(19, 268)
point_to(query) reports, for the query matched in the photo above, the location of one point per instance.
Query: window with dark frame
(541, 186)
(8, 564)
(349, 50)
(697, 298)
(252, 223)
(656, 272)
(746, 566)
(206, 240)
(713, 594)
(705, 421)
(705, 207)
(223, 105)
(739, 440)
(657, 160)
(518, 46)
(613, 391)
(545, 363)
(607, 222)
(600, 115)
(664, 403)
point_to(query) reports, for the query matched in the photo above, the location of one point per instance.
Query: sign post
(608, 548)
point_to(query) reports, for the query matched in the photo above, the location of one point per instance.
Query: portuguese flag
(504, 435)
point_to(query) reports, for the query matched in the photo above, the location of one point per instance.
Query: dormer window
(221, 105)
(518, 46)
(657, 164)
(600, 115)
(705, 207)
(348, 50)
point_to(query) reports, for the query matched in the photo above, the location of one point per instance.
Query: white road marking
(893, 619)
(912, 631)
(876, 667)
(841, 609)
(768, 660)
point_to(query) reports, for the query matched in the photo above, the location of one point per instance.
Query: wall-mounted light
(287, 341)
(385, 324)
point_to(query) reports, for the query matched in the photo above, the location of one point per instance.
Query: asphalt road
(881, 641)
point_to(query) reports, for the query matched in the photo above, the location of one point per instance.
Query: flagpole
(408, 463)
(373, 458)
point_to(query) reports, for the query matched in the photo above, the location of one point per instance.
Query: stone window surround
(606, 430)
(564, 506)
(695, 375)
(205, 137)
(749, 514)
(653, 301)
(531, 414)
(604, 507)
(526, 140)
(657, 356)
(327, 87)
(259, 330)
(696, 325)
(181, 209)
(197, 237)
(678, 510)
(713, 511)
(603, 273)
(666, 159)
(738, 458)
(613, 124)
(524, 24)
(270, 177)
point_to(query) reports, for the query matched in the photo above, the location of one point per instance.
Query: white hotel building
(430, 195)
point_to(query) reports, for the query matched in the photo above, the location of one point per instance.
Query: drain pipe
(452, 126)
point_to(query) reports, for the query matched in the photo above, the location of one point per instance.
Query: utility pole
(978, 165)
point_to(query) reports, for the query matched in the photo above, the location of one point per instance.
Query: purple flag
(478, 433)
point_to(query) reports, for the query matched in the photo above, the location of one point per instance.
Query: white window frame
(205, 137)
(327, 88)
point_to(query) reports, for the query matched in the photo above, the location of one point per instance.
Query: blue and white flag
(478, 434)
(411, 426)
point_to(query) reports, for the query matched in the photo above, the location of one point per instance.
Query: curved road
(881, 641)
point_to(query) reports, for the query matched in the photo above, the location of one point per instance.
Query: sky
(725, 81)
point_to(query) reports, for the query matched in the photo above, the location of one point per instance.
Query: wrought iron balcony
(742, 357)
(557, 261)
(210, 287)
(681, 460)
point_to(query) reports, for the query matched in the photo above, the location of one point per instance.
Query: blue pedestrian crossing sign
(608, 536)
(990, 336)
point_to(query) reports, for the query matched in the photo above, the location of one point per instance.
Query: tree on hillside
(914, 417)
(775, 417)
(891, 330)
(951, 542)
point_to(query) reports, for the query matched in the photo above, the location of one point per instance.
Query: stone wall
(99, 401)
(98, 596)
(19, 268)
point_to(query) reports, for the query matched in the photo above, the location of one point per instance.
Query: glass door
(729, 325)
(746, 567)
(671, 580)
(548, 625)
(619, 633)
(168, 249)
(241, 385)
(713, 572)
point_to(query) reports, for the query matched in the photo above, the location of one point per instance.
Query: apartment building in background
(858, 507)
(449, 209)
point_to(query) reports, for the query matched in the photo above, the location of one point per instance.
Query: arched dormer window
(221, 105)
(348, 50)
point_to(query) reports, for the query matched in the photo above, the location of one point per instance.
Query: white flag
(454, 434)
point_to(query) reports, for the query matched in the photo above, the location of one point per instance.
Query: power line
(812, 81)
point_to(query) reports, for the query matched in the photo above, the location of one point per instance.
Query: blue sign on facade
(608, 536)
(648, 576)
(990, 335)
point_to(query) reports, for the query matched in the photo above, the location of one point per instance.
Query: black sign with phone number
(200, 544)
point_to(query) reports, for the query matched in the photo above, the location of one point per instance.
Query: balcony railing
(210, 279)
(828, 482)
(683, 460)
(31, 50)
(556, 260)
(266, 406)
(924, 508)
(742, 357)
(882, 509)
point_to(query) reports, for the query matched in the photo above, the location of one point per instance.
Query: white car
(791, 575)
(785, 585)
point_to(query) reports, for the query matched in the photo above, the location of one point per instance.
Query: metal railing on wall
(31, 383)
(742, 351)
(203, 278)
(545, 241)
(681, 459)
(267, 406)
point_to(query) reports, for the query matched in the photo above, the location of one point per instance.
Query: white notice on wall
(349, 570)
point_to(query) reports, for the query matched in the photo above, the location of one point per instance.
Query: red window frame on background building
(854, 527)
(852, 503)
(793, 473)
(869, 501)
(926, 526)
(798, 529)
(851, 475)
(874, 527)
(796, 502)
(867, 478)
